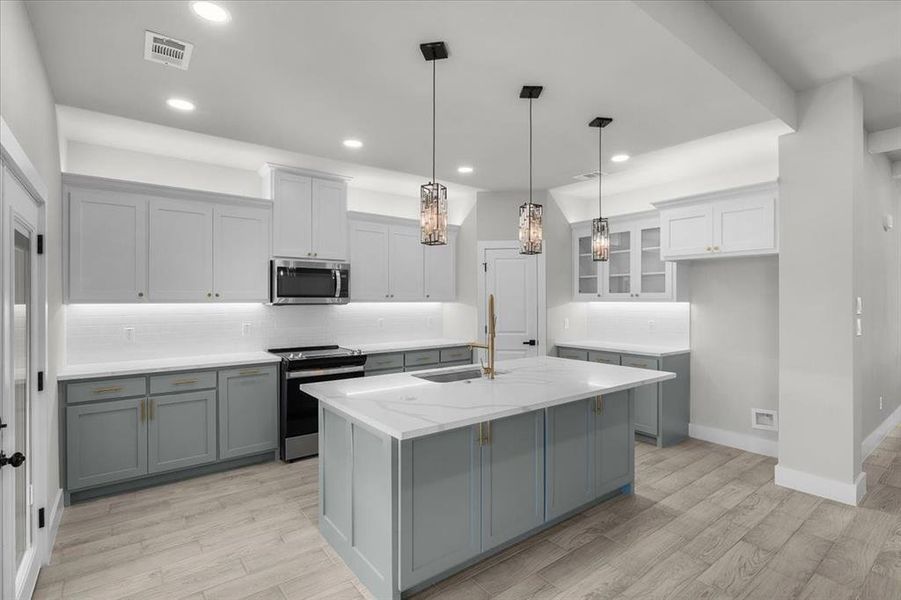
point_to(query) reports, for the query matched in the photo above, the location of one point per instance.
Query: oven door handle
(338, 279)
(320, 372)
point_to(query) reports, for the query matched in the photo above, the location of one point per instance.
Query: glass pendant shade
(433, 214)
(600, 240)
(530, 228)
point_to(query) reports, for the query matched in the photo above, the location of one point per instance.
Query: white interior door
(21, 323)
(513, 279)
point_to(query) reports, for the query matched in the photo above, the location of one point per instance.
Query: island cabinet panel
(646, 397)
(614, 457)
(440, 503)
(570, 457)
(106, 441)
(181, 430)
(512, 477)
(248, 411)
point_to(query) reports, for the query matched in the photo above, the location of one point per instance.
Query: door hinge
(40, 243)
(40, 381)
(485, 266)
(30, 494)
(40, 518)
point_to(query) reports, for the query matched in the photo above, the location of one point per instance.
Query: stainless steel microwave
(301, 281)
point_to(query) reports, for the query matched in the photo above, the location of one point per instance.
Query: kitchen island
(419, 479)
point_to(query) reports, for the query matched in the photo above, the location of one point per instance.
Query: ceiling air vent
(168, 51)
(588, 176)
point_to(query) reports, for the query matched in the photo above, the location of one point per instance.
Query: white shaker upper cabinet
(310, 213)
(405, 263)
(107, 246)
(736, 222)
(440, 272)
(181, 250)
(293, 204)
(369, 261)
(241, 253)
(329, 219)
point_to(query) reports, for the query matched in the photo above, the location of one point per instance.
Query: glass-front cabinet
(635, 270)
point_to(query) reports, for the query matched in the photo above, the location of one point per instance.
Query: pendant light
(433, 195)
(600, 229)
(530, 214)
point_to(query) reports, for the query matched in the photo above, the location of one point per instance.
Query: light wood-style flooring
(706, 522)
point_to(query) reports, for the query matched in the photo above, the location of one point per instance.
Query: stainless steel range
(299, 412)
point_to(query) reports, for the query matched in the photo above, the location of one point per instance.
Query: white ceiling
(811, 42)
(301, 76)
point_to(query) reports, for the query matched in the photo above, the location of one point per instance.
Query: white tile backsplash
(96, 332)
(640, 323)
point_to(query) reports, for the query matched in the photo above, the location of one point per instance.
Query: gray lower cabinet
(181, 430)
(106, 442)
(662, 410)
(613, 453)
(248, 411)
(440, 503)
(569, 455)
(512, 477)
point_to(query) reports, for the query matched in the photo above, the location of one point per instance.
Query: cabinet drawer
(182, 382)
(421, 357)
(456, 354)
(572, 353)
(106, 389)
(380, 362)
(384, 372)
(608, 358)
(639, 362)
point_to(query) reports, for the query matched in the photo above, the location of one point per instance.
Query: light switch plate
(129, 333)
(566, 323)
(246, 328)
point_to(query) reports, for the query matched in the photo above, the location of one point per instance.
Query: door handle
(15, 461)
(338, 285)
(530, 343)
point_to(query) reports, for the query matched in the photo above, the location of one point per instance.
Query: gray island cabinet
(420, 479)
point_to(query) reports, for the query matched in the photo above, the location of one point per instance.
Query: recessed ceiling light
(353, 143)
(464, 169)
(211, 12)
(180, 104)
(619, 157)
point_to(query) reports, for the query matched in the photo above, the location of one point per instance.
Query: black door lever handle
(16, 460)
(529, 343)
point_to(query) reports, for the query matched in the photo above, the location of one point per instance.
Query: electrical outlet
(381, 323)
(880, 402)
(652, 326)
(129, 333)
(566, 323)
(246, 328)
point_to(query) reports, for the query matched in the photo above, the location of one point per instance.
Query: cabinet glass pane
(653, 284)
(621, 241)
(650, 238)
(588, 285)
(587, 267)
(585, 245)
(620, 264)
(651, 262)
(620, 285)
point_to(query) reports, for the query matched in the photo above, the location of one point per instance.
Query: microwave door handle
(338, 280)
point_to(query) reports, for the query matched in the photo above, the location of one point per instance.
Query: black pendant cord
(530, 156)
(433, 122)
(600, 174)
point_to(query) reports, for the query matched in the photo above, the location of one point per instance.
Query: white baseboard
(56, 515)
(733, 439)
(874, 439)
(840, 491)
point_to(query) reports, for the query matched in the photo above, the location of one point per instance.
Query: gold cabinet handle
(150, 418)
(143, 411)
(598, 404)
(709, 248)
(106, 390)
(184, 382)
(716, 248)
(250, 372)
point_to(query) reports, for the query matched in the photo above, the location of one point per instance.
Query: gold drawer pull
(250, 372)
(143, 411)
(114, 388)
(184, 382)
(598, 404)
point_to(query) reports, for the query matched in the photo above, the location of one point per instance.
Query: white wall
(819, 445)
(735, 343)
(27, 106)
(95, 332)
(877, 280)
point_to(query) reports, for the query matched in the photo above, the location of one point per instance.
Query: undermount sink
(453, 376)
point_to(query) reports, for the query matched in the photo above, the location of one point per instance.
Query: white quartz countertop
(640, 349)
(158, 365)
(404, 406)
(405, 346)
